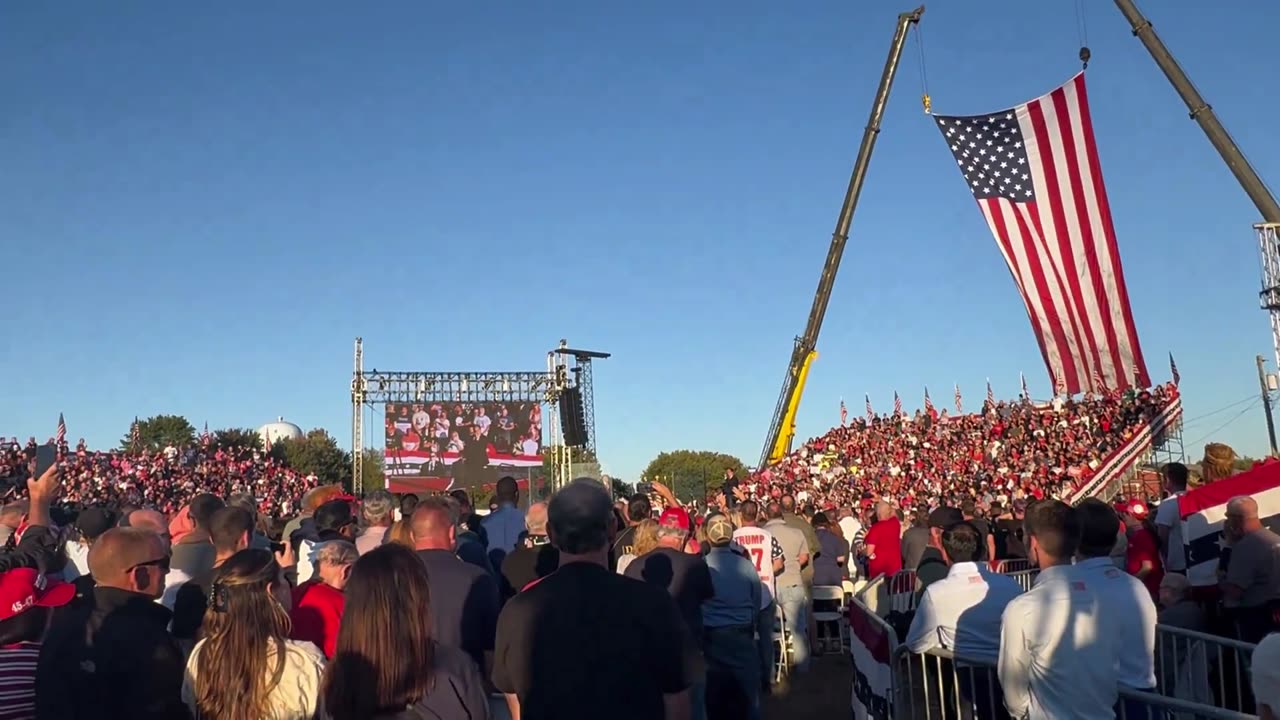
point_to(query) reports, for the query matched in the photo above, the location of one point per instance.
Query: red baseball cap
(23, 588)
(1138, 509)
(675, 517)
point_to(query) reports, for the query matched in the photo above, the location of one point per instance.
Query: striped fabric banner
(1034, 171)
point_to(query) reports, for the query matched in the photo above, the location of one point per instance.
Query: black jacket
(112, 658)
(37, 549)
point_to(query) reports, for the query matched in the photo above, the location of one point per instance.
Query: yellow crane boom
(782, 431)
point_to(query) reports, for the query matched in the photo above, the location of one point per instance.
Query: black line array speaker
(572, 419)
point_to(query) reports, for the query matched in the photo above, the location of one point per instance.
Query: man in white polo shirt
(962, 613)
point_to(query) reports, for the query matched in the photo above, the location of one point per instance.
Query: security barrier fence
(1199, 676)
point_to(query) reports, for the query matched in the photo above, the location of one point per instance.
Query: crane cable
(1218, 429)
(1082, 34)
(924, 75)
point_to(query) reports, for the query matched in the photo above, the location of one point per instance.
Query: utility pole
(1266, 405)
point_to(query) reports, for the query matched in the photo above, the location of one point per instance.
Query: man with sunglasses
(114, 657)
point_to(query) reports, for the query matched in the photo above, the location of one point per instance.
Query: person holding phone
(33, 542)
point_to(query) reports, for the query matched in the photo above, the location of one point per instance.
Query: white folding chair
(781, 646)
(830, 594)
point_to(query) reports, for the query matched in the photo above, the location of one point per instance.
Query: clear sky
(201, 205)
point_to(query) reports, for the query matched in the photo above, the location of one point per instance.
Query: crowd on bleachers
(164, 478)
(1007, 451)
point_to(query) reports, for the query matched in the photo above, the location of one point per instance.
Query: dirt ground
(823, 692)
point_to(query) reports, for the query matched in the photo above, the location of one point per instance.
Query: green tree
(316, 453)
(621, 489)
(580, 456)
(375, 473)
(237, 439)
(692, 474)
(158, 432)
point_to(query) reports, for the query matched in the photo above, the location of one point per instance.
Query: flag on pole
(1173, 371)
(1026, 394)
(1035, 173)
(928, 404)
(135, 434)
(204, 436)
(1204, 509)
(844, 414)
(959, 405)
(61, 437)
(991, 395)
(871, 415)
(266, 441)
(897, 404)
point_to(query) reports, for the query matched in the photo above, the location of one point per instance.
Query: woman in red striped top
(26, 599)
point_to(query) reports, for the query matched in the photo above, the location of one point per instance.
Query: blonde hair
(646, 537)
(401, 533)
(245, 629)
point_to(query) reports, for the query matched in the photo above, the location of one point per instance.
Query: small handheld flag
(871, 415)
(1173, 371)
(959, 404)
(844, 414)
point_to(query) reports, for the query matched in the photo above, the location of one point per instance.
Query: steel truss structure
(375, 388)
(1269, 297)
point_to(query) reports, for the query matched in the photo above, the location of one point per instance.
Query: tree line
(315, 453)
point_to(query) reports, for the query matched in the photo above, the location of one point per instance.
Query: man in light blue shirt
(729, 622)
(505, 525)
(962, 611)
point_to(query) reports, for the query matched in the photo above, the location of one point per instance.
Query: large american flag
(1035, 173)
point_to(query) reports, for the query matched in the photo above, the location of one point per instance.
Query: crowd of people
(1007, 451)
(164, 479)
(179, 586)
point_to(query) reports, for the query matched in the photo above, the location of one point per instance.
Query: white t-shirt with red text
(762, 549)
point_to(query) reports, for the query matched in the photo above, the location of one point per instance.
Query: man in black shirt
(683, 575)
(688, 579)
(534, 557)
(933, 567)
(464, 598)
(639, 509)
(987, 541)
(584, 642)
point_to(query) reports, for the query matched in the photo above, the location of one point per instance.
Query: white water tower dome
(274, 432)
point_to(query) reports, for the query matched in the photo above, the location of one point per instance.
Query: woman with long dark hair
(246, 667)
(387, 665)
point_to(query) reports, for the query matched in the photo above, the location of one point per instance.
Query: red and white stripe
(1062, 252)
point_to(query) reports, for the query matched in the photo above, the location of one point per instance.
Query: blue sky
(201, 206)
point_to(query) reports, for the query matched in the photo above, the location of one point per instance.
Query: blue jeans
(764, 642)
(795, 609)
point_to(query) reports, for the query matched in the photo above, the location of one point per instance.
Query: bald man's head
(152, 520)
(884, 510)
(433, 525)
(1243, 507)
(535, 519)
(130, 559)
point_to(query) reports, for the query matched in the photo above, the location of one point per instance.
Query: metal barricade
(1026, 578)
(938, 685)
(1203, 668)
(1013, 565)
(902, 591)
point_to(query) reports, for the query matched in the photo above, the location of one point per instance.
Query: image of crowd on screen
(510, 428)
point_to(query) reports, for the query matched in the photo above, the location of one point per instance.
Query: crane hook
(1084, 56)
